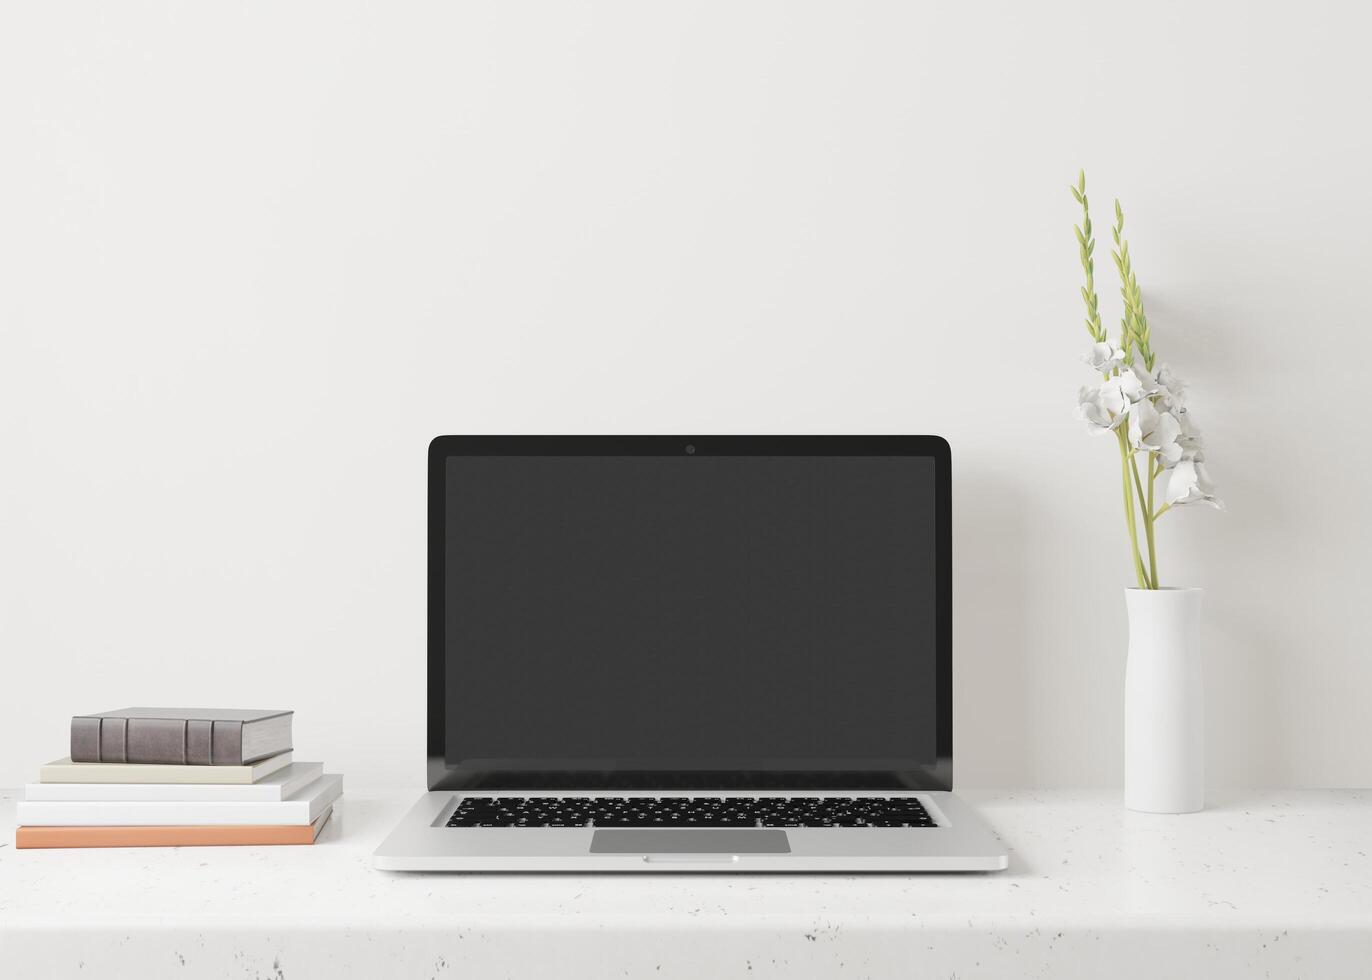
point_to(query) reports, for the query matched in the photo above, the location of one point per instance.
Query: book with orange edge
(185, 836)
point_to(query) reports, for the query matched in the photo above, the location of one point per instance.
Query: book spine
(85, 739)
(114, 740)
(154, 741)
(270, 790)
(25, 837)
(157, 741)
(29, 813)
(82, 772)
(228, 743)
(303, 809)
(199, 742)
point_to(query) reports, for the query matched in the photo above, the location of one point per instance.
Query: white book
(280, 785)
(302, 808)
(66, 771)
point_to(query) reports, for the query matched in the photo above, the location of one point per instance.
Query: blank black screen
(689, 613)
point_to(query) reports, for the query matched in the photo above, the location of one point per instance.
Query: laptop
(710, 654)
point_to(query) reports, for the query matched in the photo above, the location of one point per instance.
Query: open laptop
(711, 654)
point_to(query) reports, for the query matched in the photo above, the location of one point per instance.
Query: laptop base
(960, 842)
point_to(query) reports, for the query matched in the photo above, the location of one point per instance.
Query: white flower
(1187, 483)
(1190, 440)
(1143, 381)
(1172, 388)
(1104, 358)
(1154, 431)
(1105, 406)
(1102, 407)
(1129, 385)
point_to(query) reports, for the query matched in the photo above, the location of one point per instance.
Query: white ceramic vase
(1164, 703)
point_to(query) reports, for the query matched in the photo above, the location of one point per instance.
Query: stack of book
(159, 777)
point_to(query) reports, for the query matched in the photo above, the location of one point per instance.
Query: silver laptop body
(709, 654)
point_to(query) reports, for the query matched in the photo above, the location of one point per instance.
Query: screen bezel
(938, 776)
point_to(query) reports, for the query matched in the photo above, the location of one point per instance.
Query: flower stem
(1129, 512)
(1148, 521)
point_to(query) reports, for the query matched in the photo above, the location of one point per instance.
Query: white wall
(253, 256)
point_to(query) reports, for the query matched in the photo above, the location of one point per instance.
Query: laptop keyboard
(668, 811)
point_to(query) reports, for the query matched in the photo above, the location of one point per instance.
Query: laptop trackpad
(689, 840)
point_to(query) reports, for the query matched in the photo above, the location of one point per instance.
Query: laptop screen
(689, 613)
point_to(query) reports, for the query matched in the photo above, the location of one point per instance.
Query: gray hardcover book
(180, 736)
(114, 739)
(227, 740)
(199, 732)
(85, 738)
(149, 741)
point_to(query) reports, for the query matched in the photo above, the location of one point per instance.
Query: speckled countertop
(1271, 884)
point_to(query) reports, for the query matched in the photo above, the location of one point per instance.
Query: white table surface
(1275, 884)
